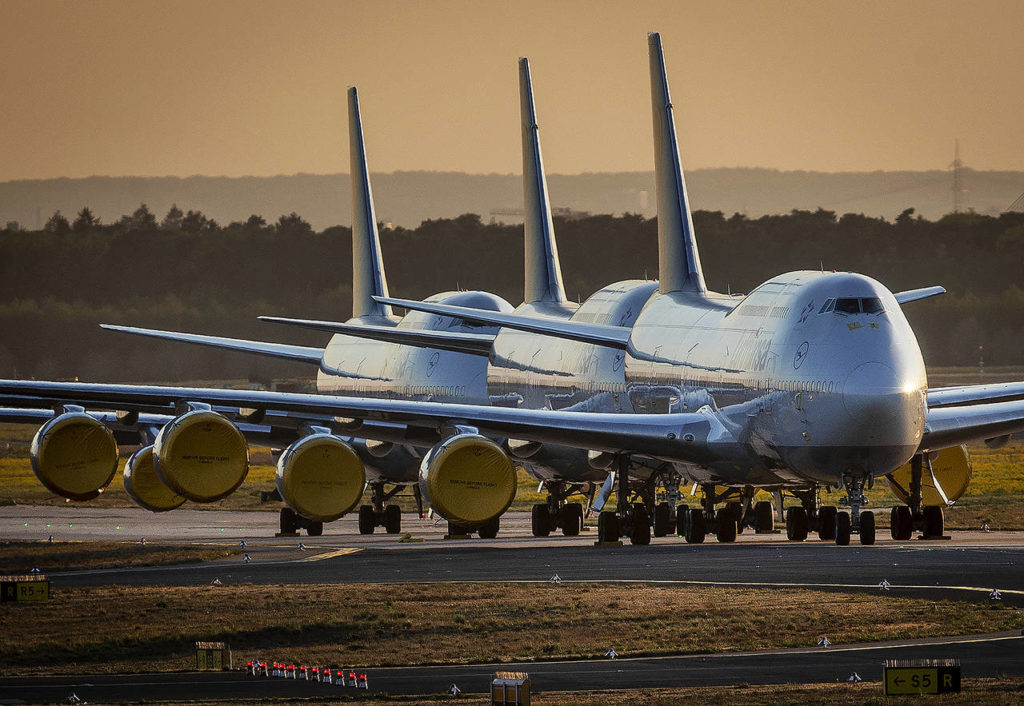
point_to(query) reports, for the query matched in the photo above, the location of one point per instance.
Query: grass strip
(116, 629)
(22, 557)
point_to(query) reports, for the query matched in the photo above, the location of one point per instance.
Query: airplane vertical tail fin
(543, 273)
(678, 259)
(368, 278)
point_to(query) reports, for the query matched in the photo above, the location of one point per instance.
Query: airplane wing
(912, 295)
(973, 394)
(300, 354)
(692, 436)
(457, 342)
(597, 334)
(955, 425)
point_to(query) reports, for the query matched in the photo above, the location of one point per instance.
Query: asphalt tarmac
(966, 567)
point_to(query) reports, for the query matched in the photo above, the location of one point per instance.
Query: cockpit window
(848, 306)
(827, 306)
(872, 305)
(867, 305)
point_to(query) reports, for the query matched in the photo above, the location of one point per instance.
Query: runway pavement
(968, 566)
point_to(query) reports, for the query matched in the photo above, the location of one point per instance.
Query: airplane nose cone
(882, 408)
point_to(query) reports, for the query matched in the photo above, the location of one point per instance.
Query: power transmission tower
(959, 192)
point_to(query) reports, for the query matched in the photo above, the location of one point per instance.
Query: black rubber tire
(726, 525)
(933, 521)
(540, 520)
(764, 517)
(796, 524)
(572, 519)
(289, 521)
(393, 519)
(696, 527)
(827, 522)
(640, 533)
(842, 528)
(682, 519)
(737, 512)
(901, 523)
(315, 529)
(367, 519)
(607, 527)
(662, 519)
(867, 528)
(489, 529)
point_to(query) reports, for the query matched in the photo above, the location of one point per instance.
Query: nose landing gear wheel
(367, 519)
(901, 523)
(572, 519)
(393, 519)
(867, 528)
(842, 528)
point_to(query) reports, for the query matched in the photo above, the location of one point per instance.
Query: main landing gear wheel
(640, 533)
(933, 522)
(682, 518)
(289, 523)
(489, 530)
(901, 523)
(572, 519)
(367, 519)
(662, 519)
(827, 523)
(607, 527)
(842, 528)
(796, 524)
(696, 527)
(726, 525)
(764, 517)
(540, 520)
(393, 519)
(867, 528)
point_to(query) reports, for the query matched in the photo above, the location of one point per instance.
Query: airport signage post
(32, 587)
(212, 656)
(921, 676)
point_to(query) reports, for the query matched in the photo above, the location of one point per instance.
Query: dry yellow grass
(22, 557)
(130, 629)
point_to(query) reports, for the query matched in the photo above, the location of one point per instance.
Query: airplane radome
(813, 380)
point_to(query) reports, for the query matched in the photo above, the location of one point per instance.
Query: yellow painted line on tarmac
(330, 555)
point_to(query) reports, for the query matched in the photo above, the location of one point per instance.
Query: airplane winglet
(543, 273)
(912, 295)
(368, 278)
(678, 260)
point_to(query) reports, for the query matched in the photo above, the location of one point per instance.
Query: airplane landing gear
(906, 518)
(556, 513)
(292, 522)
(380, 515)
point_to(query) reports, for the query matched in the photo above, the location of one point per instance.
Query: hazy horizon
(239, 88)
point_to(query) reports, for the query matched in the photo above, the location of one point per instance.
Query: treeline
(183, 271)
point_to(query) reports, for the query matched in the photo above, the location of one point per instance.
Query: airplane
(814, 379)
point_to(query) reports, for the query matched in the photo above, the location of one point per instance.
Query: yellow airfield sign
(921, 676)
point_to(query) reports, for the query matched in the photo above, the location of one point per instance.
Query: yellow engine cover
(952, 468)
(201, 456)
(144, 486)
(468, 479)
(74, 455)
(320, 477)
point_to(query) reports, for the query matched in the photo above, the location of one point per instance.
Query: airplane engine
(201, 456)
(320, 477)
(468, 479)
(74, 455)
(144, 486)
(952, 470)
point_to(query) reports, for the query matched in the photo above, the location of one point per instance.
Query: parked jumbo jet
(814, 379)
